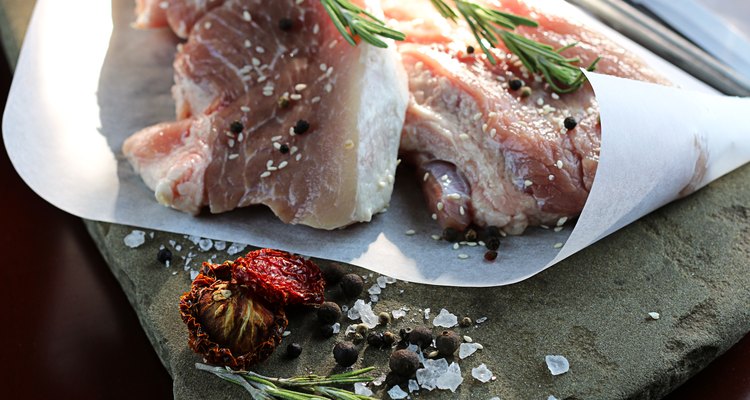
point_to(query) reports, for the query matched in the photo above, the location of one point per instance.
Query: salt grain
(361, 389)
(467, 349)
(481, 373)
(235, 248)
(557, 364)
(205, 244)
(445, 319)
(135, 239)
(397, 393)
(654, 315)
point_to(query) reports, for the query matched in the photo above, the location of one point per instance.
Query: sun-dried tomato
(235, 310)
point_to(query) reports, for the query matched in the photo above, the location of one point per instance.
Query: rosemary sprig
(297, 388)
(488, 26)
(352, 22)
(561, 73)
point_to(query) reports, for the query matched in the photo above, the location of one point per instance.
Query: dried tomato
(235, 310)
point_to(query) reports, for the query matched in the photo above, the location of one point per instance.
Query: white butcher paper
(81, 89)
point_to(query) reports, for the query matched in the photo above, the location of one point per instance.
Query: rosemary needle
(352, 21)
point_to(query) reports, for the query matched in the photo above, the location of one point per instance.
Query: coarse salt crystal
(654, 315)
(467, 349)
(135, 239)
(445, 319)
(361, 389)
(481, 373)
(397, 393)
(557, 364)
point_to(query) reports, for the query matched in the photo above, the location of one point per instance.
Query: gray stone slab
(687, 261)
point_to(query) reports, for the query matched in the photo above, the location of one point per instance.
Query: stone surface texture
(687, 261)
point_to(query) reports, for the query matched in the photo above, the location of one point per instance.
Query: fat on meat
(487, 154)
(273, 107)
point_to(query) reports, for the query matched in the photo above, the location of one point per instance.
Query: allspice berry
(332, 273)
(352, 285)
(447, 343)
(404, 362)
(421, 336)
(345, 354)
(329, 312)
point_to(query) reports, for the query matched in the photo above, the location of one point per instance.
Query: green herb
(298, 388)
(352, 21)
(489, 27)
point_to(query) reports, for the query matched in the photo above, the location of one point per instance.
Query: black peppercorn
(470, 235)
(345, 354)
(293, 350)
(570, 123)
(329, 312)
(491, 231)
(326, 331)
(236, 127)
(492, 243)
(515, 84)
(451, 235)
(447, 343)
(301, 127)
(284, 148)
(421, 336)
(286, 24)
(404, 362)
(490, 255)
(352, 285)
(470, 49)
(375, 339)
(164, 256)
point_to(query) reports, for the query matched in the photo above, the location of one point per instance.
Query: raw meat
(273, 108)
(488, 155)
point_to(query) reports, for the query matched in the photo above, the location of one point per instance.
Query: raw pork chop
(490, 156)
(274, 108)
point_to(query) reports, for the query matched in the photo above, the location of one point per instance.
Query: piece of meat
(519, 164)
(275, 108)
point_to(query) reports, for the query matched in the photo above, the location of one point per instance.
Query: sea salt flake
(467, 349)
(205, 244)
(374, 298)
(451, 379)
(426, 313)
(400, 313)
(374, 289)
(445, 319)
(551, 397)
(654, 315)
(193, 274)
(220, 245)
(427, 376)
(363, 311)
(413, 385)
(481, 373)
(235, 248)
(390, 280)
(382, 282)
(361, 389)
(135, 239)
(557, 364)
(397, 393)
(336, 328)
(194, 239)
(481, 320)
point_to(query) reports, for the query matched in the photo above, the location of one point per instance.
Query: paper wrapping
(81, 89)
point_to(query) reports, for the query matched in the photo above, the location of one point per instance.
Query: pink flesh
(522, 167)
(220, 79)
